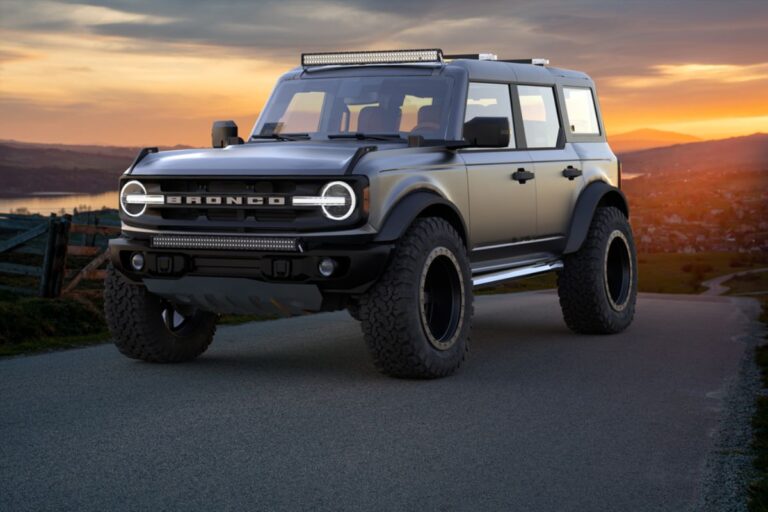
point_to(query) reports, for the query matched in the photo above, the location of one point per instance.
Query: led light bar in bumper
(234, 243)
(371, 57)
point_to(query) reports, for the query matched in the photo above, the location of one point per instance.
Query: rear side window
(540, 121)
(490, 100)
(580, 105)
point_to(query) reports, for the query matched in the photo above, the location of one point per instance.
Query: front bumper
(254, 280)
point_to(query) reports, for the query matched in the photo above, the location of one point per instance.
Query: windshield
(357, 107)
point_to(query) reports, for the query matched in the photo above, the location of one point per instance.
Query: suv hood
(254, 159)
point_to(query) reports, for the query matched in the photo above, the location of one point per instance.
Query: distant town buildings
(719, 211)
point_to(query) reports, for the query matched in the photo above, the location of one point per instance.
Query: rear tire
(416, 319)
(598, 284)
(147, 327)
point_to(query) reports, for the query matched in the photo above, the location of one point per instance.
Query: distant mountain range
(647, 138)
(749, 153)
(27, 168)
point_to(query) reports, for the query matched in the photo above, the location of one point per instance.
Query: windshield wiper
(366, 136)
(283, 136)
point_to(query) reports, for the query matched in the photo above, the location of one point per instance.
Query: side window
(540, 121)
(490, 100)
(580, 105)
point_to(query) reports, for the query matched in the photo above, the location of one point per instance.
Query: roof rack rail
(471, 56)
(535, 61)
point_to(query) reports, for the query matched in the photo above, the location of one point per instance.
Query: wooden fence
(39, 248)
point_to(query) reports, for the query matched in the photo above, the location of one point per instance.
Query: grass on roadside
(684, 273)
(33, 323)
(748, 284)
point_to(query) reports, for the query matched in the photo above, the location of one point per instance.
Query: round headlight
(129, 189)
(339, 189)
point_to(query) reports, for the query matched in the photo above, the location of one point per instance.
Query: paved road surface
(290, 415)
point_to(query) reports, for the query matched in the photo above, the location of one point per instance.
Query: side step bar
(515, 273)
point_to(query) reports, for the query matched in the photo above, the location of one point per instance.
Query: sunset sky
(146, 72)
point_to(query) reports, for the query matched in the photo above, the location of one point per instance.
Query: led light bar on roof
(371, 57)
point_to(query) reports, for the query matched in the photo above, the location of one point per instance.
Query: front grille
(265, 212)
(236, 243)
(264, 216)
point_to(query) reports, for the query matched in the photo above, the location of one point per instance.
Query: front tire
(353, 308)
(416, 319)
(147, 327)
(598, 284)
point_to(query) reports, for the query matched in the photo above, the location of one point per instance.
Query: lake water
(47, 203)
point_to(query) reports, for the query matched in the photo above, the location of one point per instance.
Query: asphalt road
(290, 415)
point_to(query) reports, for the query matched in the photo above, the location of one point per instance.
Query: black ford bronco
(389, 184)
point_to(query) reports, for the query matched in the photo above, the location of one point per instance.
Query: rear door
(502, 210)
(556, 164)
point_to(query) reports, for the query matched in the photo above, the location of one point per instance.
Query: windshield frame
(455, 79)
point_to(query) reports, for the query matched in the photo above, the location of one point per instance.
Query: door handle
(521, 175)
(571, 172)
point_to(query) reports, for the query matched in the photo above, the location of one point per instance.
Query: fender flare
(594, 195)
(407, 209)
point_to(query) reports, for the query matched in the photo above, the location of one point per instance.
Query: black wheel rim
(442, 298)
(618, 270)
(172, 318)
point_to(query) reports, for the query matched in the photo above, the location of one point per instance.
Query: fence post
(90, 239)
(45, 277)
(60, 260)
(54, 261)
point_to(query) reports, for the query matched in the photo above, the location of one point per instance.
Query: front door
(502, 191)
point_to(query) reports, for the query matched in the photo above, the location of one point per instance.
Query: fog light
(137, 261)
(327, 267)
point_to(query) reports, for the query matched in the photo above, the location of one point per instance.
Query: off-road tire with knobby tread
(581, 287)
(390, 311)
(134, 318)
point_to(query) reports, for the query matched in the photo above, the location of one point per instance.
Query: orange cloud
(666, 74)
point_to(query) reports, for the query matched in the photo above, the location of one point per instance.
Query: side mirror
(224, 133)
(487, 132)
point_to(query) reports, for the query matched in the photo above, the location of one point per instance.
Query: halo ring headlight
(339, 189)
(131, 188)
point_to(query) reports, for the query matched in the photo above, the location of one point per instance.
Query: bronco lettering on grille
(227, 200)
